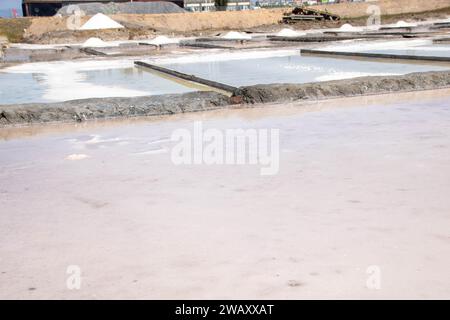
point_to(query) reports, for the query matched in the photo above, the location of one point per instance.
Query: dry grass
(13, 29)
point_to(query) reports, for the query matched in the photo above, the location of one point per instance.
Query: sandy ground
(387, 7)
(362, 182)
(140, 26)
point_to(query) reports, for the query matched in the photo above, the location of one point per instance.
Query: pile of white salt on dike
(94, 42)
(100, 21)
(289, 33)
(160, 40)
(403, 24)
(234, 35)
(347, 27)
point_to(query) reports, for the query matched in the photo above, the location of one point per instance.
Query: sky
(6, 5)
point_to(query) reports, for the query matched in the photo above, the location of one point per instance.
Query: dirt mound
(48, 29)
(13, 29)
(387, 7)
(119, 8)
(80, 36)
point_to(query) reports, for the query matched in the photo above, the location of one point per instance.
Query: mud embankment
(345, 88)
(105, 108)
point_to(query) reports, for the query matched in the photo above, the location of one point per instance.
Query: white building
(200, 5)
(213, 5)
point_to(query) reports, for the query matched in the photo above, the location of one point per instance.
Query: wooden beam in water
(442, 40)
(195, 44)
(375, 55)
(221, 87)
(321, 38)
(93, 52)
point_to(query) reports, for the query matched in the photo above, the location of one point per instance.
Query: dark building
(50, 7)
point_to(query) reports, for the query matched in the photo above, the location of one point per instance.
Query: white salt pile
(94, 42)
(233, 35)
(402, 23)
(289, 33)
(160, 40)
(347, 27)
(373, 27)
(100, 21)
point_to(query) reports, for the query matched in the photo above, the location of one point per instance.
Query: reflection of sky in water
(437, 50)
(293, 69)
(133, 78)
(17, 87)
(68, 85)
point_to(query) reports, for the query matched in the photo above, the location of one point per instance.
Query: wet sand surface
(362, 182)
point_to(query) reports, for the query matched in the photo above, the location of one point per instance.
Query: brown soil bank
(13, 29)
(189, 23)
(387, 7)
(100, 108)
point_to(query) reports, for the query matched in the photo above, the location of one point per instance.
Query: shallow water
(69, 80)
(417, 47)
(436, 50)
(62, 81)
(293, 69)
(362, 182)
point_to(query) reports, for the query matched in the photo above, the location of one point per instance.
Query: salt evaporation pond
(401, 47)
(61, 81)
(69, 80)
(437, 50)
(284, 66)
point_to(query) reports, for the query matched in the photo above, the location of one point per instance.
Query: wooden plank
(442, 40)
(188, 77)
(93, 52)
(375, 55)
(313, 38)
(442, 24)
(195, 44)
